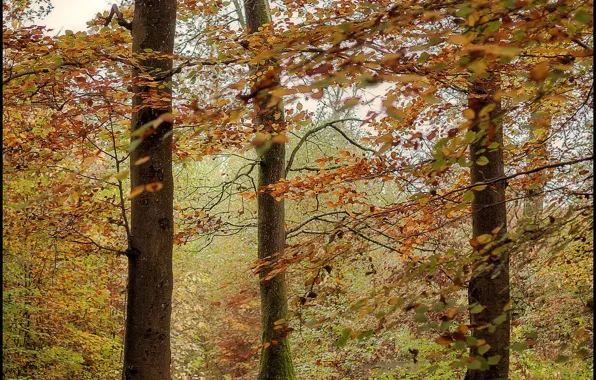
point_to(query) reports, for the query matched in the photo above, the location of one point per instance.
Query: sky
(73, 14)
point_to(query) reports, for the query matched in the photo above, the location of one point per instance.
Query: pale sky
(73, 14)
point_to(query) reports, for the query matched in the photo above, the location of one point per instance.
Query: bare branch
(320, 128)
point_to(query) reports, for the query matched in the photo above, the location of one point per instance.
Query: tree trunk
(147, 337)
(534, 202)
(489, 287)
(276, 361)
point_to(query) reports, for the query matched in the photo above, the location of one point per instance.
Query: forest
(306, 189)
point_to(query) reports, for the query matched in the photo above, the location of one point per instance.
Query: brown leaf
(539, 72)
(142, 160)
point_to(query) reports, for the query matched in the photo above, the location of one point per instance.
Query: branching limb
(121, 20)
(320, 128)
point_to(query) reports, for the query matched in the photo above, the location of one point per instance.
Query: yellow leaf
(142, 160)
(459, 39)
(121, 175)
(393, 301)
(266, 345)
(167, 117)
(484, 238)
(409, 78)
(89, 161)
(136, 191)
(385, 147)
(469, 114)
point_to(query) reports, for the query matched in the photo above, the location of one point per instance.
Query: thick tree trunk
(276, 361)
(489, 287)
(147, 337)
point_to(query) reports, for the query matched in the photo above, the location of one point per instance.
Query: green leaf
(482, 160)
(474, 365)
(134, 144)
(141, 129)
(435, 41)
(471, 340)
(519, 346)
(493, 26)
(263, 148)
(561, 359)
(439, 306)
(464, 11)
(483, 349)
(492, 360)
(500, 319)
(583, 16)
(423, 57)
(469, 196)
(477, 309)
(345, 335)
(460, 346)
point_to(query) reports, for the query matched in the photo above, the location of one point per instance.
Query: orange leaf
(540, 71)
(153, 187)
(317, 95)
(282, 138)
(142, 160)
(136, 191)
(444, 340)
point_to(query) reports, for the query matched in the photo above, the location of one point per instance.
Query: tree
(276, 360)
(150, 283)
(489, 285)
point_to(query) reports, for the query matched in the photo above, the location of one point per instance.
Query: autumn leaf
(136, 191)
(539, 72)
(153, 187)
(142, 160)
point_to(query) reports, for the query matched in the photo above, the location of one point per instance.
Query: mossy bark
(276, 360)
(147, 338)
(489, 287)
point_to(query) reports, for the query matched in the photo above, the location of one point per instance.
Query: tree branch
(320, 128)
(121, 20)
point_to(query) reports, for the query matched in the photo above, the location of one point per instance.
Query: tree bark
(534, 202)
(148, 312)
(276, 361)
(489, 287)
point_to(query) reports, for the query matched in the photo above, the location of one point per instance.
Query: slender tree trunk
(276, 361)
(534, 202)
(147, 337)
(489, 287)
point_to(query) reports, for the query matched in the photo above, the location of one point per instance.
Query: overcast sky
(73, 14)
